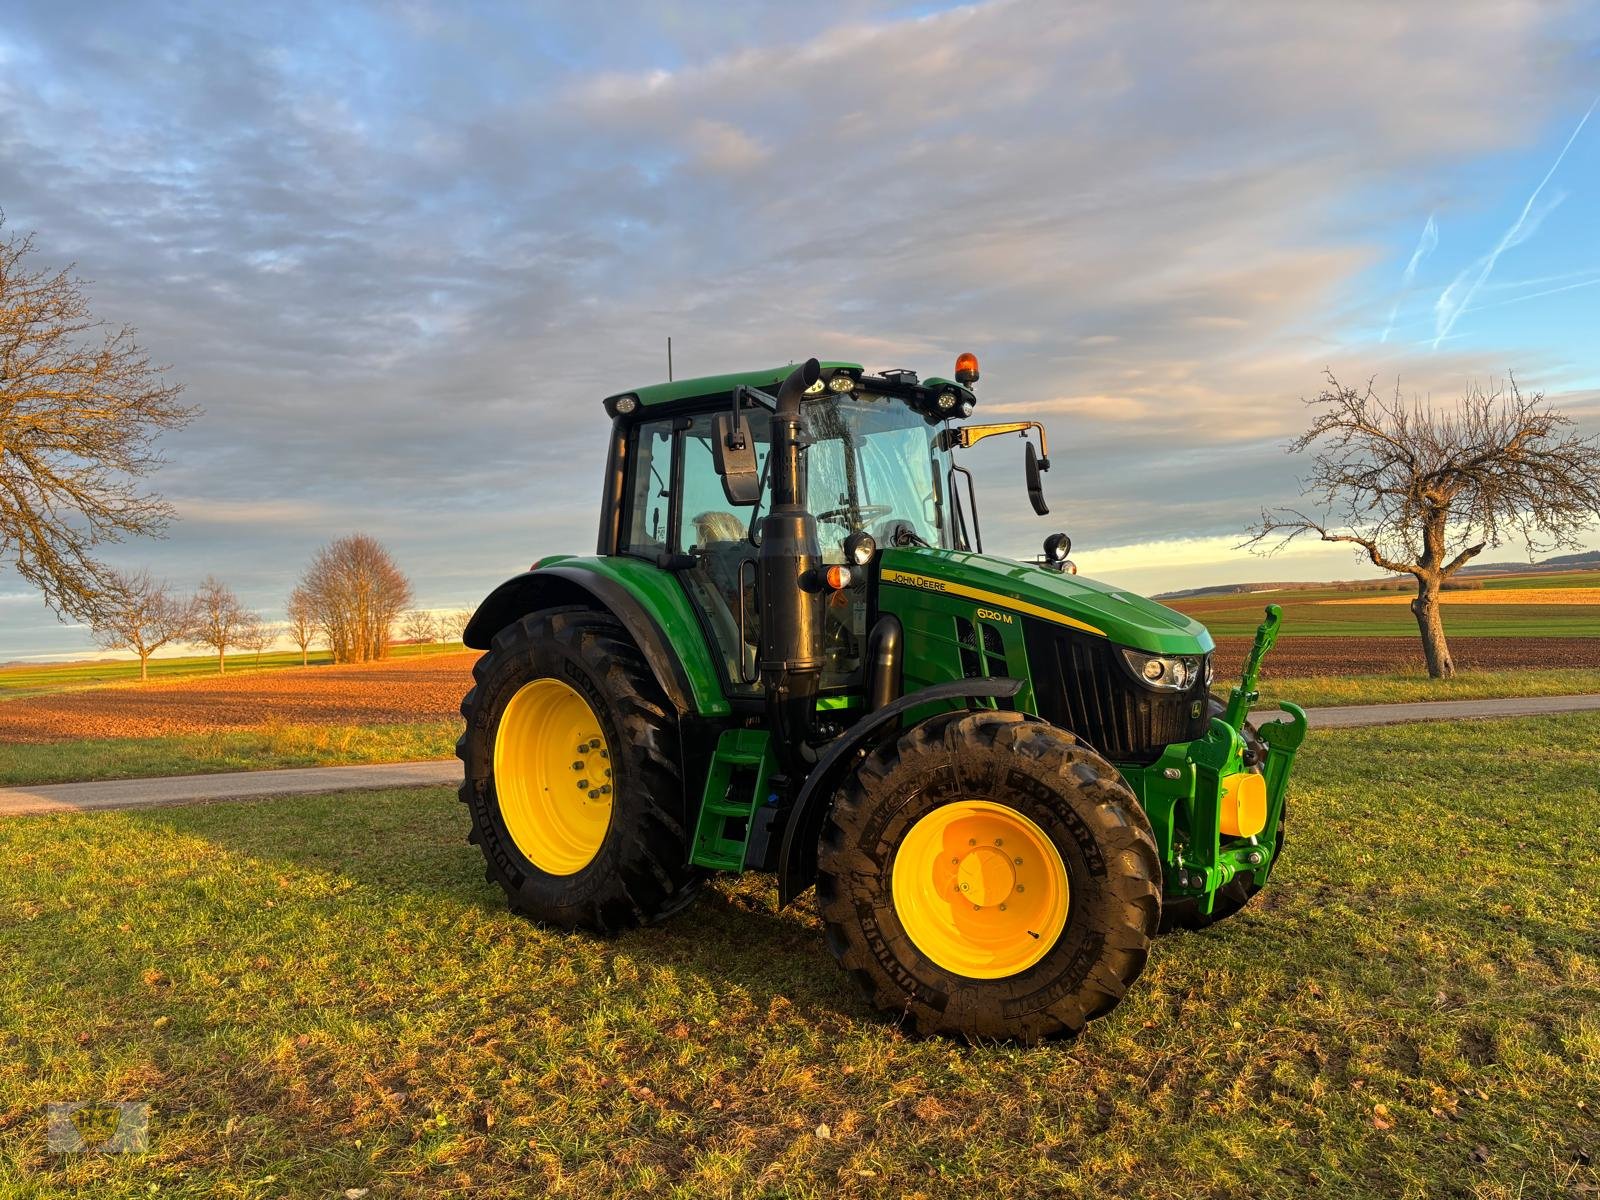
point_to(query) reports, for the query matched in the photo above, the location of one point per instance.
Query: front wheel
(988, 875)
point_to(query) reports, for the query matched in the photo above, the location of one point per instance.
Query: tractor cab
(874, 469)
(790, 653)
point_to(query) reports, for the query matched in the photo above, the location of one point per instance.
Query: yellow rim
(980, 889)
(552, 776)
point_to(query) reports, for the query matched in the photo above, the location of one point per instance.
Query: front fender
(647, 600)
(797, 859)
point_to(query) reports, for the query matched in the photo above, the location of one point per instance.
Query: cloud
(399, 255)
(725, 148)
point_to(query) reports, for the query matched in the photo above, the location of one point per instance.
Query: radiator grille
(1080, 685)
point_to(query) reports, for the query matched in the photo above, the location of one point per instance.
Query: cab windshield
(872, 464)
(868, 462)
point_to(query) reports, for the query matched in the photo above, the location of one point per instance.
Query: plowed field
(430, 689)
(1299, 657)
(405, 690)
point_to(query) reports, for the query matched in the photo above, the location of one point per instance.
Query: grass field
(1347, 612)
(57, 677)
(272, 745)
(321, 994)
(1411, 686)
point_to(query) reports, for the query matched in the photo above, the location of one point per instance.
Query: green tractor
(790, 654)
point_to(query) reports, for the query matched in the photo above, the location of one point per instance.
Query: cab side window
(649, 489)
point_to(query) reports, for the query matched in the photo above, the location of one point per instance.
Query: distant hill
(1588, 560)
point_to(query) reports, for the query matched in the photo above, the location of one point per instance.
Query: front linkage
(1199, 793)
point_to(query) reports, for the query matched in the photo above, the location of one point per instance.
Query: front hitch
(1218, 763)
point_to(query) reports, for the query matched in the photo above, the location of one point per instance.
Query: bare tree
(454, 624)
(80, 406)
(255, 635)
(302, 624)
(356, 592)
(219, 620)
(1423, 492)
(420, 626)
(135, 611)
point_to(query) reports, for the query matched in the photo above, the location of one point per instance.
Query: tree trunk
(305, 656)
(144, 667)
(222, 665)
(1435, 650)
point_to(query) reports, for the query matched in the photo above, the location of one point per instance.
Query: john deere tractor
(790, 654)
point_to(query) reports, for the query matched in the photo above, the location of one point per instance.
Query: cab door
(681, 518)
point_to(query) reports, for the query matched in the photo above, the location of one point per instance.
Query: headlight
(841, 383)
(1168, 672)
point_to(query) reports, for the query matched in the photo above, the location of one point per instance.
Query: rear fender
(680, 663)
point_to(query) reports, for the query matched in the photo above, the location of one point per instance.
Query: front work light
(626, 404)
(1056, 548)
(947, 401)
(841, 383)
(859, 547)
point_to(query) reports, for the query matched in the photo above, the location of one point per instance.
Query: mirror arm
(966, 436)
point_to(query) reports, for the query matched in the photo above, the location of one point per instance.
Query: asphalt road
(243, 785)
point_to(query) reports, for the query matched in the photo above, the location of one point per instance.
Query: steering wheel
(850, 516)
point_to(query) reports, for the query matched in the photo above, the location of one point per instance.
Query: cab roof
(711, 385)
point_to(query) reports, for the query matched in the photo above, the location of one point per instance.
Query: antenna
(669, 360)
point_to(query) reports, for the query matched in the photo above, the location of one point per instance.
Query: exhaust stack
(791, 599)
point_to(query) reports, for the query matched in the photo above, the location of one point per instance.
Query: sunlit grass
(61, 677)
(272, 745)
(321, 993)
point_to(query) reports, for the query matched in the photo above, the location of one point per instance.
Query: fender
(797, 859)
(572, 583)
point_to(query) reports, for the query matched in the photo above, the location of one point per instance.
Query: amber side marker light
(838, 578)
(967, 369)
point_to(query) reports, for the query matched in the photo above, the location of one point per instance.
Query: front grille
(1080, 684)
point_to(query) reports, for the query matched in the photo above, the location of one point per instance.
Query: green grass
(1566, 579)
(1406, 686)
(271, 745)
(321, 993)
(1238, 616)
(60, 677)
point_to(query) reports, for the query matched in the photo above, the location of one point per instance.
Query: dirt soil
(405, 690)
(1298, 657)
(430, 689)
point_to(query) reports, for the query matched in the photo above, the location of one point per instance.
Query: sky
(397, 253)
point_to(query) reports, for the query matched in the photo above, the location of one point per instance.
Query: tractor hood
(1123, 617)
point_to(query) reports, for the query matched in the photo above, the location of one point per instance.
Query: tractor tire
(572, 775)
(1237, 892)
(982, 805)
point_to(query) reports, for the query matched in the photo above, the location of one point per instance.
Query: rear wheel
(572, 776)
(986, 875)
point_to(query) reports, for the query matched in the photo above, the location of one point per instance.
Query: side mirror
(1031, 466)
(733, 451)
